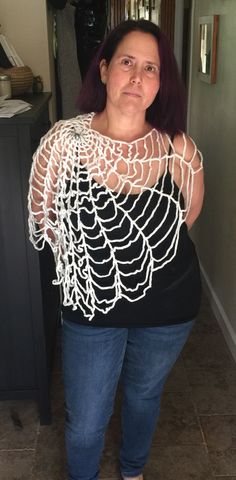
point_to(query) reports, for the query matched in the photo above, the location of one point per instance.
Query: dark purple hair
(168, 111)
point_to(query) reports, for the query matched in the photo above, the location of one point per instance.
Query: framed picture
(208, 31)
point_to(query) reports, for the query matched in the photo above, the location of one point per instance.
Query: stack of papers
(9, 108)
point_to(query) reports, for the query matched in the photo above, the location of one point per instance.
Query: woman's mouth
(132, 94)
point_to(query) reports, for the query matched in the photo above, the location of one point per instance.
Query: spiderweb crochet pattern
(96, 202)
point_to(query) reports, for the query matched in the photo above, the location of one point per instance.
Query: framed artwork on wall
(207, 56)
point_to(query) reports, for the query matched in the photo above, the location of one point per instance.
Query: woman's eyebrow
(127, 55)
(150, 62)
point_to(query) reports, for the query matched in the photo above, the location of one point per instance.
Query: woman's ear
(103, 71)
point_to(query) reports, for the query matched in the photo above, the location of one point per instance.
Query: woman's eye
(152, 69)
(126, 61)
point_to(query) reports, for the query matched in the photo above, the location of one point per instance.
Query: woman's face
(132, 77)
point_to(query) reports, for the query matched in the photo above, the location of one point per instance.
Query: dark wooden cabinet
(29, 304)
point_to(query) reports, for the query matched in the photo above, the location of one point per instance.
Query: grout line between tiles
(204, 442)
(217, 414)
(17, 449)
(35, 450)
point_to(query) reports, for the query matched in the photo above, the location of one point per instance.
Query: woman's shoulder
(67, 128)
(61, 134)
(81, 120)
(185, 147)
(185, 150)
(179, 144)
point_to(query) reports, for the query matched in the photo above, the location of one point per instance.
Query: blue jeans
(93, 359)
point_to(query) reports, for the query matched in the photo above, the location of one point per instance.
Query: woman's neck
(122, 127)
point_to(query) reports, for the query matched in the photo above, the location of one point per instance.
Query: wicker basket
(21, 79)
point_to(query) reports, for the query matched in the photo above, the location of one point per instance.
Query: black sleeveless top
(175, 294)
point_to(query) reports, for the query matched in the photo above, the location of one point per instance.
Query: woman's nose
(136, 76)
(135, 80)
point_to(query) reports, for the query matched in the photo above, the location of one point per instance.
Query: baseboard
(219, 313)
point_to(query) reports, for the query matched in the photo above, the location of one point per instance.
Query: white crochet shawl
(71, 153)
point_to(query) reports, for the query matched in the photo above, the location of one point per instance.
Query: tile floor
(196, 437)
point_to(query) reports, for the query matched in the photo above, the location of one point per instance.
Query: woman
(114, 193)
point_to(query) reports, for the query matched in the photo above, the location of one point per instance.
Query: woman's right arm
(43, 185)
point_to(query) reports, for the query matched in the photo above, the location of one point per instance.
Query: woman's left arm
(192, 176)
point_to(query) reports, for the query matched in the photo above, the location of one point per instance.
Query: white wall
(212, 123)
(27, 24)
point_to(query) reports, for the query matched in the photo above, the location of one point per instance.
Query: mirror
(208, 29)
(148, 9)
